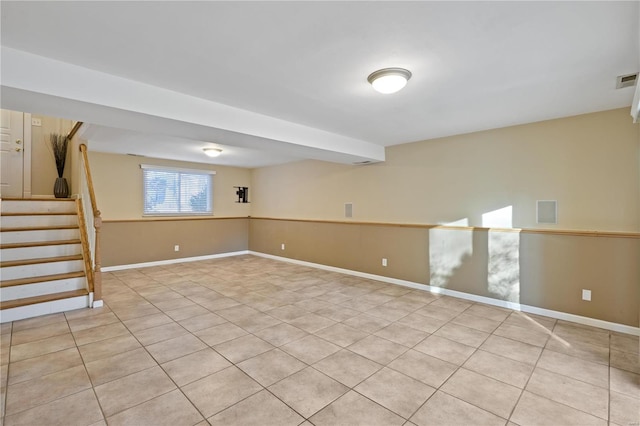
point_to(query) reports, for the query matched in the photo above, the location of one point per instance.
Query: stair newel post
(97, 284)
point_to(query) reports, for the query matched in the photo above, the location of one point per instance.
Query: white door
(11, 153)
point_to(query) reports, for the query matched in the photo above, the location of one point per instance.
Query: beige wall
(76, 169)
(43, 165)
(125, 243)
(118, 184)
(537, 269)
(588, 163)
(128, 237)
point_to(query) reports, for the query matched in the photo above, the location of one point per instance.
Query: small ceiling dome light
(212, 152)
(389, 80)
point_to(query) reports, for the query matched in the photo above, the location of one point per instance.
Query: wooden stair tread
(41, 278)
(39, 214)
(39, 244)
(40, 260)
(39, 228)
(42, 299)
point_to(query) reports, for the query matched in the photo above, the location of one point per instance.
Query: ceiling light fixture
(212, 152)
(389, 80)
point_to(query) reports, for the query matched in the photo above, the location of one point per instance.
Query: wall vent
(628, 80)
(547, 212)
(348, 210)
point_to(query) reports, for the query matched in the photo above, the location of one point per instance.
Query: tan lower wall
(537, 269)
(130, 242)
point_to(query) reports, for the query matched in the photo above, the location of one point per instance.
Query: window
(169, 191)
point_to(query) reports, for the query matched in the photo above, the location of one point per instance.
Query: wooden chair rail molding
(567, 232)
(97, 223)
(173, 219)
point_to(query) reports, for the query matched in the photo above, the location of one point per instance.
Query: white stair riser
(9, 237)
(38, 252)
(38, 289)
(39, 309)
(39, 220)
(40, 269)
(26, 206)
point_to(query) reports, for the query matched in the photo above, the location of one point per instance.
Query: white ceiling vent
(361, 163)
(628, 80)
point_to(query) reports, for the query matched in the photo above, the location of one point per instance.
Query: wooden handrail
(97, 225)
(87, 172)
(75, 129)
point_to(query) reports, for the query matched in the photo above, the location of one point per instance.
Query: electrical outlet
(176, 248)
(36, 122)
(586, 295)
(282, 246)
(384, 261)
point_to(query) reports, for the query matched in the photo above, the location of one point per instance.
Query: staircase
(41, 263)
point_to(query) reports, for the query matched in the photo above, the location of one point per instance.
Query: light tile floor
(246, 340)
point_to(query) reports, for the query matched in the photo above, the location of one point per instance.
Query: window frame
(179, 171)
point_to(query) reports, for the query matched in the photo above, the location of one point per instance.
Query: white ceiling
(300, 69)
(118, 141)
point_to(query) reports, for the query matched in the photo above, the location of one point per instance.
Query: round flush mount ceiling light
(389, 80)
(212, 152)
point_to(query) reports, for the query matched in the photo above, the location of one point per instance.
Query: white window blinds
(169, 191)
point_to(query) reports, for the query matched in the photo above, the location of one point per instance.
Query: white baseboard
(621, 328)
(172, 261)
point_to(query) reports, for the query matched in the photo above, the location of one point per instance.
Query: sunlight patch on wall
(448, 248)
(461, 222)
(503, 272)
(501, 218)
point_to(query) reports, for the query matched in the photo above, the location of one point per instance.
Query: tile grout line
(6, 391)
(369, 334)
(438, 388)
(231, 362)
(160, 366)
(84, 365)
(353, 296)
(528, 379)
(434, 332)
(562, 403)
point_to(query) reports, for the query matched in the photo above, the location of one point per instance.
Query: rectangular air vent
(547, 212)
(348, 210)
(628, 80)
